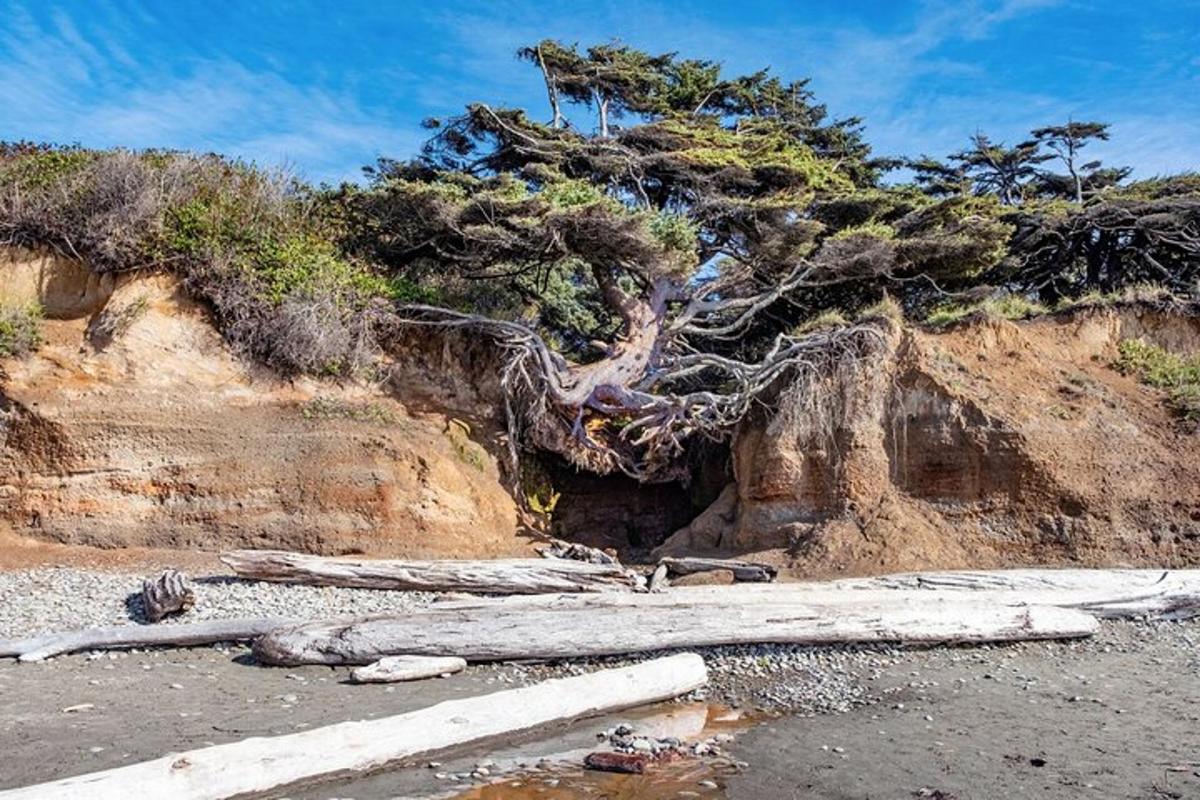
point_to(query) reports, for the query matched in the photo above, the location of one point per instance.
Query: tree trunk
(551, 90)
(37, 648)
(264, 764)
(168, 594)
(499, 576)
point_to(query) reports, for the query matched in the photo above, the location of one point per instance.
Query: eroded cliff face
(992, 444)
(134, 425)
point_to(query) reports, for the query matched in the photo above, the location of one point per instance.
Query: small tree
(1066, 141)
(1003, 171)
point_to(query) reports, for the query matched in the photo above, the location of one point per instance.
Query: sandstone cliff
(134, 425)
(992, 444)
(989, 444)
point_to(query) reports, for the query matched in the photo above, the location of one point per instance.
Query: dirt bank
(134, 426)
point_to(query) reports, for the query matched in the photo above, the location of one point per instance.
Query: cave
(620, 513)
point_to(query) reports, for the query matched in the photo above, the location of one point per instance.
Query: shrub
(19, 330)
(1178, 376)
(254, 244)
(1009, 306)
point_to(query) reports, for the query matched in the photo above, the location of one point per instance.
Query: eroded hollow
(618, 512)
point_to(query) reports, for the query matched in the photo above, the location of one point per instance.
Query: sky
(324, 88)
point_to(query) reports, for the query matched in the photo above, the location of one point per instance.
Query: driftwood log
(569, 626)
(500, 576)
(395, 669)
(743, 571)
(37, 648)
(262, 764)
(169, 593)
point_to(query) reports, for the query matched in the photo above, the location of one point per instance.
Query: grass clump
(888, 308)
(1177, 375)
(328, 408)
(1009, 306)
(831, 318)
(20, 332)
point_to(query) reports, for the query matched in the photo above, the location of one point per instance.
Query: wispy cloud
(329, 87)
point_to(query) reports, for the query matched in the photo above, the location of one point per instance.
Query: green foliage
(1177, 375)
(19, 330)
(831, 318)
(329, 408)
(1009, 306)
(887, 308)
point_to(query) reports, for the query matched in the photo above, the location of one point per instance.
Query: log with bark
(38, 648)
(567, 626)
(264, 764)
(743, 571)
(167, 594)
(499, 576)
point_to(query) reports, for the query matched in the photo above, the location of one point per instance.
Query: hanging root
(643, 429)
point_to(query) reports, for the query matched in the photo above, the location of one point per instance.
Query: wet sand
(1117, 717)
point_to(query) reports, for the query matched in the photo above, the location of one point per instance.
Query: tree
(1066, 142)
(679, 236)
(996, 169)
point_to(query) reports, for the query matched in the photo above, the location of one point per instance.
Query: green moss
(1177, 375)
(20, 332)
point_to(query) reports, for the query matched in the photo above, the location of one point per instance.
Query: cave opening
(620, 513)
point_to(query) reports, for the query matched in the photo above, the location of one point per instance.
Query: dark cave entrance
(618, 512)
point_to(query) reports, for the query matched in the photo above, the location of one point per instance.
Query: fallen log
(747, 571)
(263, 764)
(169, 593)
(568, 626)
(395, 669)
(38, 648)
(500, 576)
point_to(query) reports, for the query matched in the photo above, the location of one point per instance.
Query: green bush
(19, 330)
(1177, 375)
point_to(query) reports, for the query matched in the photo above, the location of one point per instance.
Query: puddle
(548, 764)
(560, 776)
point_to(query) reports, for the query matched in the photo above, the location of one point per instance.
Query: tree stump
(169, 593)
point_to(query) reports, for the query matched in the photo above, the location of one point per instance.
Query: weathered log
(576, 552)
(395, 669)
(500, 576)
(37, 648)
(659, 579)
(567, 626)
(169, 593)
(747, 571)
(262, 764)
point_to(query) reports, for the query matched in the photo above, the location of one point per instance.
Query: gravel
(61, 598)
(770, 678)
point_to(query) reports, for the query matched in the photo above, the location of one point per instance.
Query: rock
(631, 763)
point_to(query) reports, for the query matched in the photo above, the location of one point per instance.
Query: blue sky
(325, 87)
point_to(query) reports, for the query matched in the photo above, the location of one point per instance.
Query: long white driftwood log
(37, 648)
(1106, 593)
(566, 626)
(500, 576)
(262, 764)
